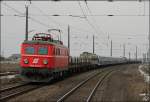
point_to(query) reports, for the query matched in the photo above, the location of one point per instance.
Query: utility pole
(129, 56)
(144, 57)
(136, 53)
(93, 44)
(69, 38)
(111, 49)
(147, 56)
(26, 34)
(149, 53)
(68, 43)
(124, 50)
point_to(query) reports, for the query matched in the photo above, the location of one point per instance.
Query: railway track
(85, 90)
(98, 84)
(8, 73)
(13, 91)
(12, 87)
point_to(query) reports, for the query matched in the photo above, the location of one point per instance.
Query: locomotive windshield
(43, 51)
(29, 50)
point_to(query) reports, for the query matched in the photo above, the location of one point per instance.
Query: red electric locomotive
(43, 57)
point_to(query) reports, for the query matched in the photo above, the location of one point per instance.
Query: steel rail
(61, 99)
(12, 87)
(8, 73)
(10, 95)
(17, 93)
(101, 79)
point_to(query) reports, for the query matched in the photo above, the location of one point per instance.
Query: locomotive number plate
(35, 60)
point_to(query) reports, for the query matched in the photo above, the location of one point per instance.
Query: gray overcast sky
(125, 28)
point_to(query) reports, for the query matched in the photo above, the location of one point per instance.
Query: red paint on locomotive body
(44, 53)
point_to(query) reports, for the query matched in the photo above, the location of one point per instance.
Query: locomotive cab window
(29, 50)
(43, 51)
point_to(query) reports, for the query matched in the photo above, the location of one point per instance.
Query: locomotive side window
(43, 51)
(29, 50)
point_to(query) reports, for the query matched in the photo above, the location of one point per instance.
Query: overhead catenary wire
(93, 27)
(20, 14)
(41, 22)
(81, 16)
(48, 17)
(75, 15)
(86, 16)
(23, 14)
(13, 9)
(92, 16)
(56, 22)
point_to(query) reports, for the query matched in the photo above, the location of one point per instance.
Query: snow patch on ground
(145, 96)
(8, 77)
(144, 74)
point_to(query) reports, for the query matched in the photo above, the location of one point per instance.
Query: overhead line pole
(69, 38)
(149, 51)
(124, 50)
(26, 33)
(68, 43)
(129, 56)
(93, 44)
(136, 53)
(111, 49)
(147, 56)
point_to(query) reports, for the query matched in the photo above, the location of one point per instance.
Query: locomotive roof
(43, 42)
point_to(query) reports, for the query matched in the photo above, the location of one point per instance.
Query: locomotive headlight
(26, 61)
(45, 61)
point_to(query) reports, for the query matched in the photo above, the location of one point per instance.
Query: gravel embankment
(125, 85)
(53, 91)
(10, 80)
(6, 67)
(7, 82)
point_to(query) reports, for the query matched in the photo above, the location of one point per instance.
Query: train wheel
(60, 75)
(57, 75)
(66, 74)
